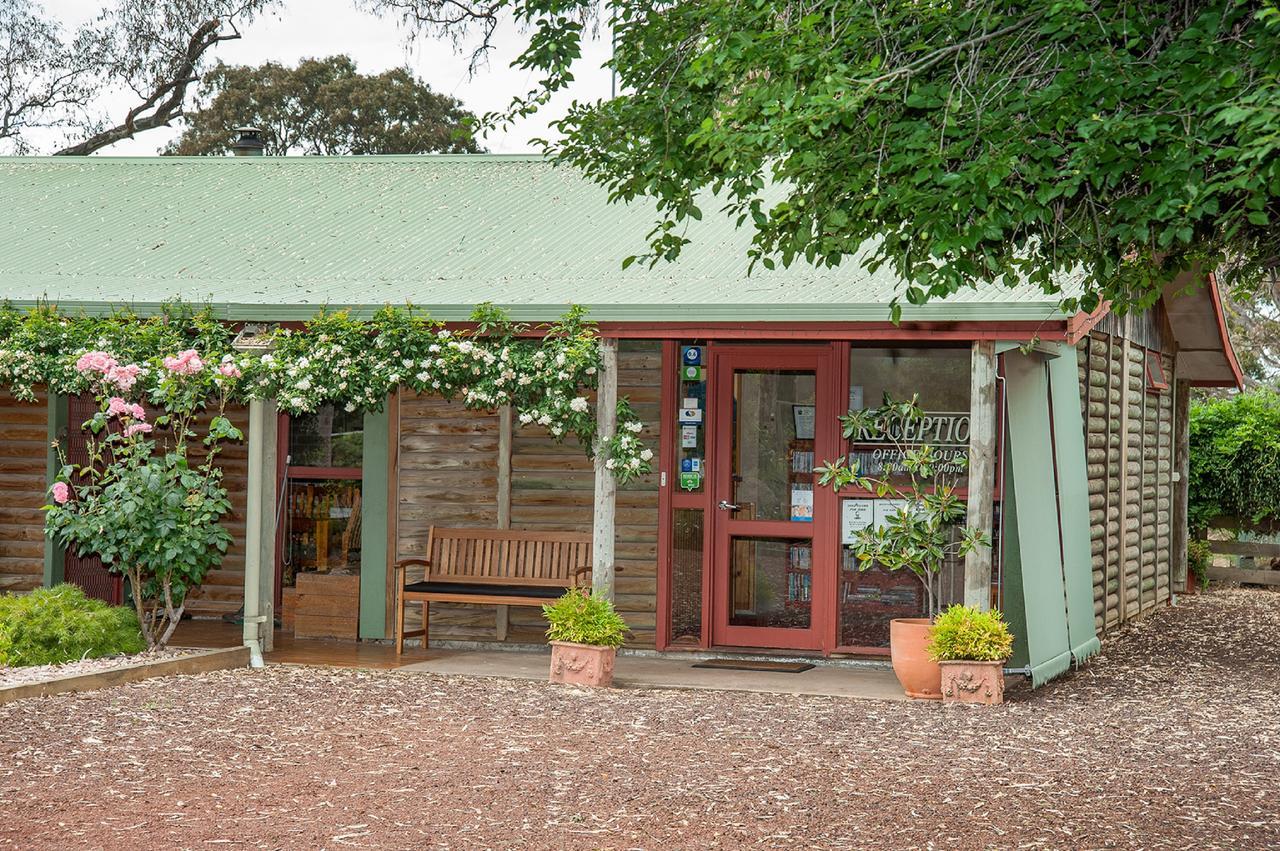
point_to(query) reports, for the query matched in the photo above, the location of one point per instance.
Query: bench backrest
(507, 556)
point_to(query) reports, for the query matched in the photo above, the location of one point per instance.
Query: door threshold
(761, 654)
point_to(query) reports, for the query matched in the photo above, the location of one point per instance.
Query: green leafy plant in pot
(585, 634)
(919, 537)
(971, 646)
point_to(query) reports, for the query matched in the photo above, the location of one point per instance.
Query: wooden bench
(500, 567)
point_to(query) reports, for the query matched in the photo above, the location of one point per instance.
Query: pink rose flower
(61, 493)
(117, 406)
(124, 377)
(137, 428)
(137, 412)
(184, 363)
(100, 362)
(230, 370)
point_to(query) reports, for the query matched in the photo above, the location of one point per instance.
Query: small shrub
(583, 619)
(965, 634)
(1199, 560)
(54, 625)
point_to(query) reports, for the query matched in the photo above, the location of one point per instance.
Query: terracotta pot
(582, 664)
(973, 682)
(920, 676)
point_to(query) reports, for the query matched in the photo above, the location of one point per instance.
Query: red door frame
(822, 534)
(285, 470)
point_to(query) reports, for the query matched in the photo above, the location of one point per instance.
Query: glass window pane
(869, 599)
(940, 380)
(329, 437)
(686, 578)
(322, 527)
(771, 583)
(773, 422)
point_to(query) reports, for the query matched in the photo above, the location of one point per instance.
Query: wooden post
(606, 485)
(1181, 471)
(982, 470)
(502, 618)
(260, 527)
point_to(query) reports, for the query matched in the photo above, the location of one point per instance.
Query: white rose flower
(580, 404)
(646, 455)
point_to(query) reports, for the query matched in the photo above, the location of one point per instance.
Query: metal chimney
(248, 142)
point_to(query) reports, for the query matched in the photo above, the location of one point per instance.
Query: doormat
(751, 665)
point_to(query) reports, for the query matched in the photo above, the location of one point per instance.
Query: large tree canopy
(967, 140)
(149, 50)
(323, 106)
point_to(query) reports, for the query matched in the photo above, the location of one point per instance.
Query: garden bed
(89, 674)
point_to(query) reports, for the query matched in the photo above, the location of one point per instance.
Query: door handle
(726, 505)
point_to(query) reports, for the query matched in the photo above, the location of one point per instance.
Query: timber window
(1157, 378)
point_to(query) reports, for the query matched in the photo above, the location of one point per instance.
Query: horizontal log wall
(223, 588)
(23, 457)
(448, 475)
(1129, 457)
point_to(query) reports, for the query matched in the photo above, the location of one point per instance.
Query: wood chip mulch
(1170, 740)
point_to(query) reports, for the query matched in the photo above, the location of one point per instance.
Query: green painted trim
(55, 430)
(1073, 505)
(1035, 518)
(373, 525)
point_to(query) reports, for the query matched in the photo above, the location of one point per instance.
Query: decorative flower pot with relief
(973, 682)
(582, 664)
(920, 676)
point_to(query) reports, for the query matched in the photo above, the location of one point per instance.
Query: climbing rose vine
(544, 373)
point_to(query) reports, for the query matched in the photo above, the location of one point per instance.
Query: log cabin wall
(223, 589)
(448, 476)
(23, 459)
(1129, 449)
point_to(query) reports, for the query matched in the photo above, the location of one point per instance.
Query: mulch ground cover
(1170, 740)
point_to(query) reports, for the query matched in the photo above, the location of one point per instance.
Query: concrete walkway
(665, 672)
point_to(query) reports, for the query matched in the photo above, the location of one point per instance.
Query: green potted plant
(585, 634)
(920, 536)
(971, 647)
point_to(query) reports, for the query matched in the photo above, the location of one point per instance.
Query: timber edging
(201, 662)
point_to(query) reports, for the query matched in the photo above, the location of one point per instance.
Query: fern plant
(581, 618)
(966, 634)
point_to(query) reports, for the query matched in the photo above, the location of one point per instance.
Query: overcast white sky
(304, 28)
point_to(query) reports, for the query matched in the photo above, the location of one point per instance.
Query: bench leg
(426, 623)
(400, 627)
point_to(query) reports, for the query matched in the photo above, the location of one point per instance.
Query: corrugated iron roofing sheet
(276, 237)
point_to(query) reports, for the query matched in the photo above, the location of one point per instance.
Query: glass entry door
(774, 421)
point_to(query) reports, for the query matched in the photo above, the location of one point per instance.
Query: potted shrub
(971, 647)
(585, 634)
(920, 536)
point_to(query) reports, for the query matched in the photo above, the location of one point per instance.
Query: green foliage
(955, 142)
(1199, 560)
(927, 531)
(583, 618)
(339, 359)
(965, 634)
(54, 625)
(323, 106)
(1235, 459)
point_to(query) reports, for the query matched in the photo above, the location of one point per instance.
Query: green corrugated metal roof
(276, 237)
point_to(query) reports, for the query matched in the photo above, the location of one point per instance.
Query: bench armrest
(405, 563)
(582, 576)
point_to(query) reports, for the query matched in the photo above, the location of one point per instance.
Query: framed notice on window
(855, 515)
(804, 416)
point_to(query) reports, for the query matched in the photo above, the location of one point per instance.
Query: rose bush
(150, 500)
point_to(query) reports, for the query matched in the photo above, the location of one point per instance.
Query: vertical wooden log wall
(1129, 446)
(982, 471)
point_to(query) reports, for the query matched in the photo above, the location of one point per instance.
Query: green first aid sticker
(690, 481)
(692, 373)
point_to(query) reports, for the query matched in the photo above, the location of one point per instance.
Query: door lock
(726, 505)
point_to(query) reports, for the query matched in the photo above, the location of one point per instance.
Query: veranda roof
(274, 238)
